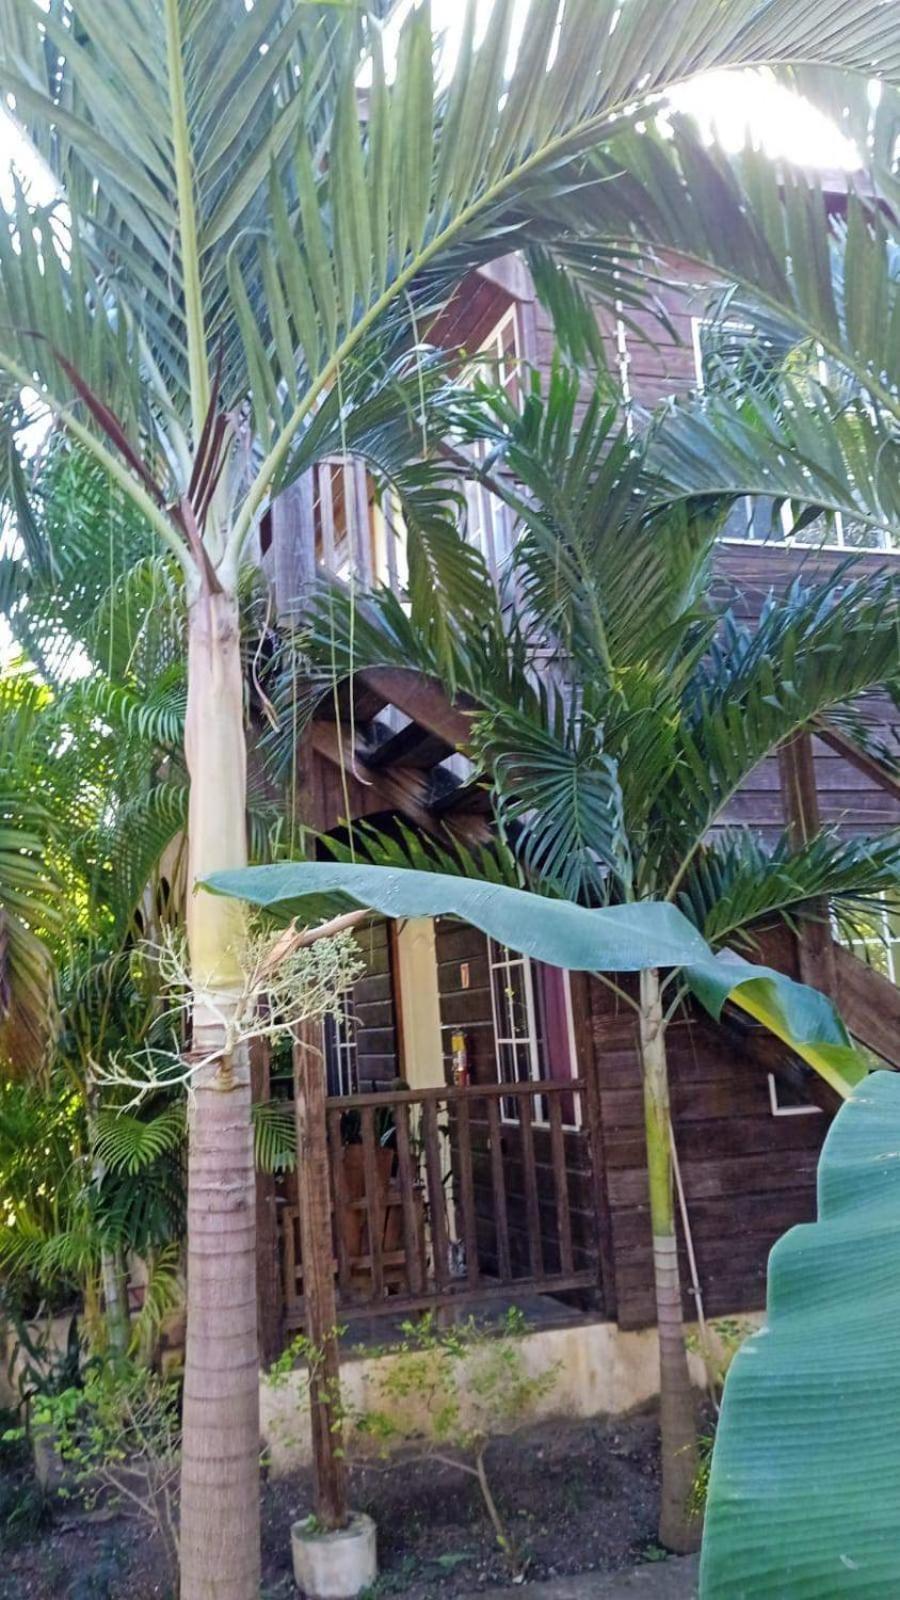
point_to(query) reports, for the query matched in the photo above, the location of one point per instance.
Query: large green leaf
(617, 939)
(804, 1499)
(801, 1016)
(624, 938)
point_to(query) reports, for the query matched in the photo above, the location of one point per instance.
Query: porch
(468, 1196)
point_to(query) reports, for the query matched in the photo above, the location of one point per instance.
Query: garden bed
(580, 1496)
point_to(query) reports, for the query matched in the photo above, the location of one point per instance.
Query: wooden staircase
(869, 1004)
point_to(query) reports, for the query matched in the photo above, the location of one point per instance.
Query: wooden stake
(320, 1307)
(269, 1292)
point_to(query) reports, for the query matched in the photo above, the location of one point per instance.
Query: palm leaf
(558, 799)
(274, 1136)
(736, 882)
(127, 1144)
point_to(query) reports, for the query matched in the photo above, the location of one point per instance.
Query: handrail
(454, 1092)
(857, 757)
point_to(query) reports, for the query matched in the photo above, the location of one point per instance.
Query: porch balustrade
(466, 1193)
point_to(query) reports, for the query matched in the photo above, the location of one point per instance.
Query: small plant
(119, 1438)
(303, 1350)
(700, 1487)
(452, 1390)
(25, 1509)
(717, 1347)
(654, 1552)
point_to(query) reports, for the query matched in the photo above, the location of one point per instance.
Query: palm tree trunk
(115, 1300)
(220, 1558)
(678, 1530)
(113, 1276)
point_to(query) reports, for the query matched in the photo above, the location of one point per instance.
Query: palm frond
(558, 799)
(401, 846)
(274, 1136)
(127, 1144)
(818, 648)
(736, 882)
(806, 447)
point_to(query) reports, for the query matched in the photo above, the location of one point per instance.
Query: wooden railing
(475, 1193)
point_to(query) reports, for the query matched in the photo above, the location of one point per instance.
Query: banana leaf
(804, 1498)
(624, 938)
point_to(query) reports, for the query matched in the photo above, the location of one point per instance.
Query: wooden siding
(376, 1018)
(747, 1175)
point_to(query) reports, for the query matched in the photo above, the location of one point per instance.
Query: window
(342, 520)
(533, 1036)
(786, 1101)
(751, 517)
(341, 1062)
(875, 938)
(490, 525)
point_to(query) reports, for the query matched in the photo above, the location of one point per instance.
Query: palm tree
(96, 616)
(28, 916)
(236, 270)
(622, 707)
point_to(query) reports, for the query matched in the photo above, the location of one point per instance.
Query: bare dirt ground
(578, 1496)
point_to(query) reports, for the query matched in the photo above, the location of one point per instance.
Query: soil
(578, 1497)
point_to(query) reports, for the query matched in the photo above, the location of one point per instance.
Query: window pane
(506, 1063)
(553, 1008)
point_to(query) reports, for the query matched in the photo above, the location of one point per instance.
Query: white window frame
(889, 941)
(884, 547)
(503, 960)
(340, 1043)
(778, 1110)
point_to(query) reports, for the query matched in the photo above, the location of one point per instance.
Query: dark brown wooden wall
(376, 1020)
(747, 1175)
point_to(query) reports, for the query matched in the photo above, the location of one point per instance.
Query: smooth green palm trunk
(678, 1530)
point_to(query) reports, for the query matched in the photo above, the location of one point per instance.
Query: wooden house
(485, 1113)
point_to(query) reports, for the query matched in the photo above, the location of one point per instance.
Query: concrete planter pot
(334, 1566)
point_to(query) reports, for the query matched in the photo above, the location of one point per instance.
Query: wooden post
(589, 1060)
(320, 1307)
(800, 800)
(269, 1292)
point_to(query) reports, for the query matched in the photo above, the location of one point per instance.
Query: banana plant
(802, 1493)
(237, 261)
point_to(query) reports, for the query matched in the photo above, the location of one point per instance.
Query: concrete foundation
(601, 1371)
(335, 1566)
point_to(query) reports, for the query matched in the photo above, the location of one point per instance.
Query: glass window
(341, 1061)
(874, 936)
(718, 344)
(532, 1012)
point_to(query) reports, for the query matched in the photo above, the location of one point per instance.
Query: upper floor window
(758, 517)
(533, 1033)
(875, 938)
